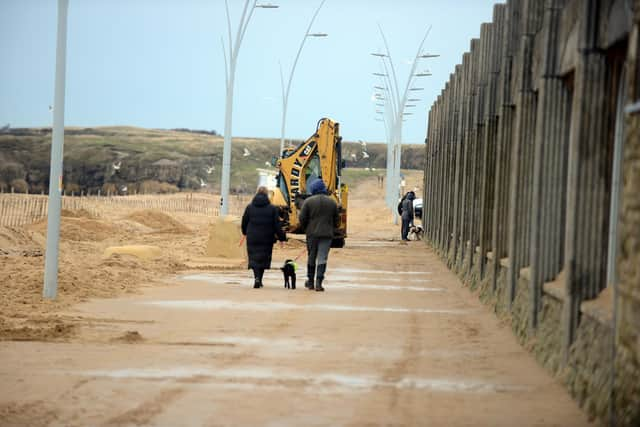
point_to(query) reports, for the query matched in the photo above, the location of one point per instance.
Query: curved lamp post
(396, 104)
(230, 73)
(285, 93)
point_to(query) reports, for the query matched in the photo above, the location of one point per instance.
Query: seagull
(210, 169)
(124, 189)
(365, 155)
(267, 163)
(202, 183)
(364, 144)
(116, 166)
(246, 152)
(353, 156)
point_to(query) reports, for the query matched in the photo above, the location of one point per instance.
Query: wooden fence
(20, 209)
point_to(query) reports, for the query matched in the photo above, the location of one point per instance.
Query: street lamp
(230, 73)
(396, 104)
(285, 93)
(50, 287)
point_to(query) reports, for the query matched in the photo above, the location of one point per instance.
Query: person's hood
(317, 187)
(260, 200)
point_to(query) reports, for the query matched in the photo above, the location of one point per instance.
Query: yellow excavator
(320, 156)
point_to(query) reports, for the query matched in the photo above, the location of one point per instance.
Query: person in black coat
(407, 214)
(261, 225)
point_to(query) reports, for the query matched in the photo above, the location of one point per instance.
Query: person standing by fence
(262, 228)
(406, 208)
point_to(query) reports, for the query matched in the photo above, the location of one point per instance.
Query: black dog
(289, 271)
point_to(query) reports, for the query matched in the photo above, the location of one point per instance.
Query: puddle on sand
(372, 244)
(358, 278)
(360, 271)
(221, 279)
(279, 306)
(217, 279)
(288, 345)
(342, 285)
(263, 377)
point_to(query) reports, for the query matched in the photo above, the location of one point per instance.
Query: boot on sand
(311, 272)
(321, 269)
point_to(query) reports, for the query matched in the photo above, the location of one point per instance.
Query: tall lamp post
(230, 74)
(285, 92)
(395, 114)
(50, 287)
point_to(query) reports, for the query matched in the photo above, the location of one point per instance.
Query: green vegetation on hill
(150, 161)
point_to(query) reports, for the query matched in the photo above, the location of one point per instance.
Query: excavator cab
(320, 156)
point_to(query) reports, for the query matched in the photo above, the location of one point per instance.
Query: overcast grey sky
(159, 63)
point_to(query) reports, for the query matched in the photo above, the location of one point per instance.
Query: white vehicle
(417, 208)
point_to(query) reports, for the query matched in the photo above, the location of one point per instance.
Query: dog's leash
(300, 254)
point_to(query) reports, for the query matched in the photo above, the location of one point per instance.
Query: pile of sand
(145, 252)
(58, 330)
(15, 241)
(158, 221)
(129, 337)
(80, 213)
(225, 239)
(78, 229)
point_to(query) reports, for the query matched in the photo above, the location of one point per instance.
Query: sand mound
(80, 213)
(224, 239)
(19, 242)
(139, 251)
(79, 229)
(25, 333)
(121, 261)
(158, 221)
(11, 237)
(130, 337)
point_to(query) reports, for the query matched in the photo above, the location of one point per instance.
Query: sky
(160, 64)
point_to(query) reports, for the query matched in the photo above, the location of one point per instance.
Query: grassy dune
(153, 160)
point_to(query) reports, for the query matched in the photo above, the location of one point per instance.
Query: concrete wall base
(587, 372)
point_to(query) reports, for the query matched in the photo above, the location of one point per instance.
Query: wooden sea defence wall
(532, 188)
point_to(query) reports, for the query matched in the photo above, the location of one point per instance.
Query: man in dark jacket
(261, 225)
(319, 218)
(407, 214)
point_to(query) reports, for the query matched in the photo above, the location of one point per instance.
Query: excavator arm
(320, 156)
